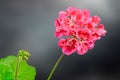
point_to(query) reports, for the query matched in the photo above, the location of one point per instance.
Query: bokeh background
(29, 25)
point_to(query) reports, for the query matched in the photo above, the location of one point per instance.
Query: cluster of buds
(23, 55)
(80, 31)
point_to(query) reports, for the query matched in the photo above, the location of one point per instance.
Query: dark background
(29, 25)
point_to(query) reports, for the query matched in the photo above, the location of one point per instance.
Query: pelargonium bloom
(81, 30)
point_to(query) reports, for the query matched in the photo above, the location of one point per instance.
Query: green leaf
(6, 72)
(8, 69)
(25, 72)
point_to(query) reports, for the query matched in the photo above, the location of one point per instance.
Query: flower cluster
(80, 30)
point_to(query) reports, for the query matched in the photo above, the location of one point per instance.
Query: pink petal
(96, 20)
(82, 49)
(69, 46)
(61, 42)
(86, 13)
(101, 31)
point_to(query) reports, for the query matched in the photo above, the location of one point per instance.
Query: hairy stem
(55, 66)
(16, 71)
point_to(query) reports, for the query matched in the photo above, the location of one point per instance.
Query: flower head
(81, 30)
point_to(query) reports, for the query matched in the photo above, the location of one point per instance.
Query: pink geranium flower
(81, 30)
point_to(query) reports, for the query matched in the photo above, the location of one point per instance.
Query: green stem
(55, 66)
(16, 71)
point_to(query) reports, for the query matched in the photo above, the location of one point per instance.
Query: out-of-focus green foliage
(8, 69)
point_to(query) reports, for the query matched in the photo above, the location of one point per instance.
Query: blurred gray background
(29, 25)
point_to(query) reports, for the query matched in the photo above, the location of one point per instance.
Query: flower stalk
(55, 66)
